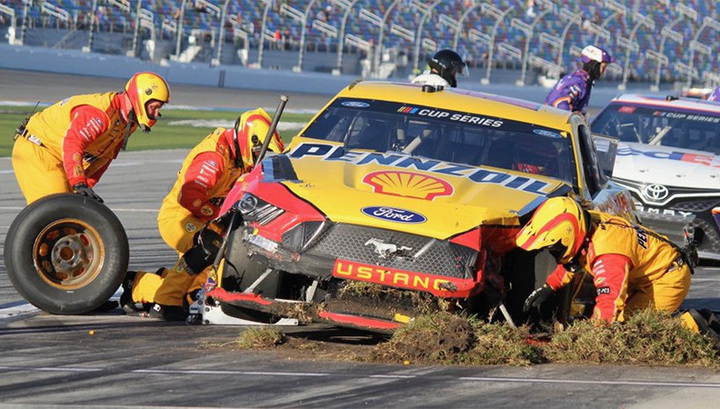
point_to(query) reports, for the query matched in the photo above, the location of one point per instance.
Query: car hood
(411, 194)
(668, 166)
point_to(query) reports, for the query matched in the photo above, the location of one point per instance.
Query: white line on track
(393, 376)
(208, 372)
(113, 209)
(142, 162)
(50, 369)
(324, 374)
(590, 382)
(16, 310)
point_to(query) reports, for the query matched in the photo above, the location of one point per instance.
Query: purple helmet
(592, 53)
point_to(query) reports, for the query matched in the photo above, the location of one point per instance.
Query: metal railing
(478, 31)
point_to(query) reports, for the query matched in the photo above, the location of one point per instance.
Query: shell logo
(408, 184)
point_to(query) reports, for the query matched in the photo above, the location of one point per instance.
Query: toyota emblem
(655, 193)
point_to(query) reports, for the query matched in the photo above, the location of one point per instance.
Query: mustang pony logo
(387, 249)
(408, 184)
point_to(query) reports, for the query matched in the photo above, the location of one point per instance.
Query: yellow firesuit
(633, 268)
(70, 142)
(207, 175)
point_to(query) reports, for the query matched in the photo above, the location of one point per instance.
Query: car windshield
(698, 130)
(451, 136)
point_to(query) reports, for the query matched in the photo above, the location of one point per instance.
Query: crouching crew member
(207, 175)
(67, 147)
(633, 267)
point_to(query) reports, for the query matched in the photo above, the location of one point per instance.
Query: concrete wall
(233, 76)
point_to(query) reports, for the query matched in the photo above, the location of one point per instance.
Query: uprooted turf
(648, 338)
(261, 337)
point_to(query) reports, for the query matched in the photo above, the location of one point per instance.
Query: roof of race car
(461, 100)
(668, 102)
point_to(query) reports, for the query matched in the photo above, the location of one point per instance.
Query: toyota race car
(398, 198)
(668, 159)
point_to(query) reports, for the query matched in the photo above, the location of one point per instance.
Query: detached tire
(66, 254)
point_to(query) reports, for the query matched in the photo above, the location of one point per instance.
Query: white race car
(668, 159)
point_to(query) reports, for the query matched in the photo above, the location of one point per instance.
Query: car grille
(419, 254)
(711, 243)
(694, 205)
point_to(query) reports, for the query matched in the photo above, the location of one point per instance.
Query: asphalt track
(54, 361)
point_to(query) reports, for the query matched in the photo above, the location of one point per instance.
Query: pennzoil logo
(392, 277)
(337, 153)
(408, 184)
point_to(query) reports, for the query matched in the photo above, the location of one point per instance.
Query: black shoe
(167, 312)
(126, 301)
(703, 324)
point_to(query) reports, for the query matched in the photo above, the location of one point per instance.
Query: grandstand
(658, 41)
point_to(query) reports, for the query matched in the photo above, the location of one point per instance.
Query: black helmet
(448, 64)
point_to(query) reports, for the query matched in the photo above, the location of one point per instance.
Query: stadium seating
(248, 14)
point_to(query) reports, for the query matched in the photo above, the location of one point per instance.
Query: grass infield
(178, 128)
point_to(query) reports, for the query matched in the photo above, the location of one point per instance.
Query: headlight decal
(254, 209)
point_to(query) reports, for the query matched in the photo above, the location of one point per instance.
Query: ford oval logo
(544, 132)
(355, 104)
(393, 214)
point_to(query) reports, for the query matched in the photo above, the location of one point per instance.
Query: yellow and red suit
(632, 269)
(207, 175)
(70, 142)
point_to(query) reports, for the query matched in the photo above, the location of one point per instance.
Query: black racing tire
(526, 271)
(66, 253)
(241, 270)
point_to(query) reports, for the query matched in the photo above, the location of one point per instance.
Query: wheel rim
(68, 254)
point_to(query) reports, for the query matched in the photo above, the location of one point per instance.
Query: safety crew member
(69, 145)
(207, 175)
(445, 66)
(572, 92)
(632, 267)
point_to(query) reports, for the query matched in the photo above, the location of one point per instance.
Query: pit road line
(501, 380)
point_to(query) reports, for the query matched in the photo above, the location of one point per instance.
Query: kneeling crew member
(207, 175)
(632, 267)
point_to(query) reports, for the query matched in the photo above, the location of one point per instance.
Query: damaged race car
(398, 199)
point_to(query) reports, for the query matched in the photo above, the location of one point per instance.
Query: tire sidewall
(19, 253)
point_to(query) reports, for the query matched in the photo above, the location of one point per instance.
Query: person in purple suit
(572, 92)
